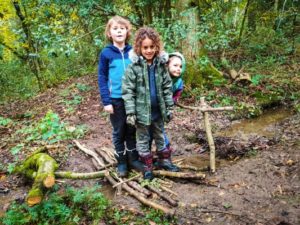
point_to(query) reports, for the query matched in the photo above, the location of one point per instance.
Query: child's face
(175, 66)
(148, 50)
(118, 33)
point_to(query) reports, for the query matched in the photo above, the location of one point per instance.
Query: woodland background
(44, 42)
(243, 53)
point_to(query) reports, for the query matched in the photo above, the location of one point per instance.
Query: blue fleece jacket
(112, 65)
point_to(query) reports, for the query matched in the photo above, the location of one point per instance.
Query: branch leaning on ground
(205, 109)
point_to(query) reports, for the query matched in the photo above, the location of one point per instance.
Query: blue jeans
(122, 133)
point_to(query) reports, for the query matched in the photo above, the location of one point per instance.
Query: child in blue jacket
(113, 62)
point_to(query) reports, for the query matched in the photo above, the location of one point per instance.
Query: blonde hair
(142, 34)
(119, 20)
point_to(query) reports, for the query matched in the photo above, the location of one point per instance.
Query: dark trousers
(122, 133)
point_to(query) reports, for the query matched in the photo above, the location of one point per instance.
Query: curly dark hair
(143, 33)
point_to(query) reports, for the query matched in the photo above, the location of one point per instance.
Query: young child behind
(113, 61)
(176, 67)
(148, 98)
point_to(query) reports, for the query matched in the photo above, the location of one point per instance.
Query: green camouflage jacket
(135, 88)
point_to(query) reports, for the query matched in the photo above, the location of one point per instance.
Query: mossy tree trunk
(41, 168)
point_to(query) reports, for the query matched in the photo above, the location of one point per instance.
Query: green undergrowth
(274, 82)
(46, 131)
(78, 206)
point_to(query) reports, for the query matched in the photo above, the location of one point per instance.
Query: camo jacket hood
(135, 88)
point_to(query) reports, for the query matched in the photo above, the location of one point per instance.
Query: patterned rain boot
(147, 160)
(164, 161)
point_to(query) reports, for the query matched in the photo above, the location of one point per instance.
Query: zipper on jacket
(122, 53)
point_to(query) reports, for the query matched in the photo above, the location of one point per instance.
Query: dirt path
(262, 189)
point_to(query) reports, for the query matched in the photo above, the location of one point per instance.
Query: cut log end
(34, 200)
(49, 181)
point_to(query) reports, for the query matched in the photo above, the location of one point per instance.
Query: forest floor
(256, 182)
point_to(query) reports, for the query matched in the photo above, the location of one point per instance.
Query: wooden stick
(179, 174)
(189, 167)
(168, 190)
(210, 139)
(89, 152)
(139, 188)
(143, 200)
(124, 181)
(206, 108)
(104, 155)
(171, 201)
(72, 175)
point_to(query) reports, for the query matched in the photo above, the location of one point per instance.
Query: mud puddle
(267, 125)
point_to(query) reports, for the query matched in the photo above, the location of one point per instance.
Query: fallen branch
(39, 167)
(171, 201)
(168, 190)
(105, 156)
(72, 175)
(206, 108)
(89, 152)
(189, 167)
(143, 200)
(139, 188)
(179, 174)
(125, 181)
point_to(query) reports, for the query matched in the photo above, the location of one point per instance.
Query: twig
(168, 190)
(71, 175)
(205, 109)
(135, 185)
(143, 200)
(89, 152)
(179, 174)
(127, 180)
(171, 201)
(105, 156)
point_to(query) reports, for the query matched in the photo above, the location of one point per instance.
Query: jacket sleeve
(129, 90)
(167, 89)
(177, 93)
(103, 77)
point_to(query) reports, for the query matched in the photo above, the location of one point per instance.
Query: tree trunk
(32, 60)
(244, 19)
(191, 46)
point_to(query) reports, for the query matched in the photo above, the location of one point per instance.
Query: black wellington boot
(164, 161)
(134, 162)
(148, 166)
(122, 165)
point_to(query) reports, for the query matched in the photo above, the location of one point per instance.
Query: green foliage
(154, 182)
(16, 149)
(251, 153)
(52, 130)
(5, 121)
(74, 206)
(16, 80)
(151, 216)
(256, 79)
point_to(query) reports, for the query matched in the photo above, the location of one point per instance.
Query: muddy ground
(258, 185)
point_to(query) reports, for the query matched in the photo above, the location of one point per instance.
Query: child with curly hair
(147, 93)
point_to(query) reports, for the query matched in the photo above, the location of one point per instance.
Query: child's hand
(169, 114)
(109, 109)
(131, 119)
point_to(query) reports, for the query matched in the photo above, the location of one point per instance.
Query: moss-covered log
(39, 167)
(72, 175)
